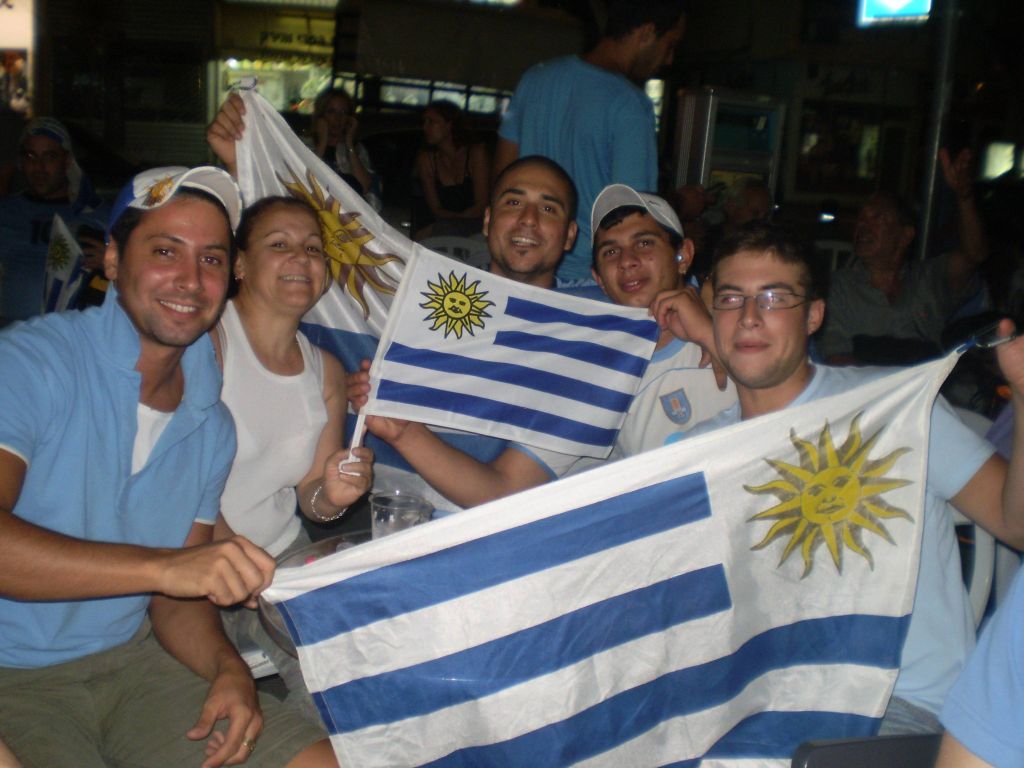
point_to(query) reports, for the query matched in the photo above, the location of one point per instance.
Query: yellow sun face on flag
(58, 255)
(456, 306)
(832, 497)
(353, 265)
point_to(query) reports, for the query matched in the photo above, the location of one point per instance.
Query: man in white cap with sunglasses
(114, 448)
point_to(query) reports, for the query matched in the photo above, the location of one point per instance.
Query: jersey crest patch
(677, 406)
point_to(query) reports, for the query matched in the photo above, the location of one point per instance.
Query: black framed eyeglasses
(767, 301)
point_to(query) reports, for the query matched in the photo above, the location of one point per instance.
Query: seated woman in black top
(453, 172)
(334, 131)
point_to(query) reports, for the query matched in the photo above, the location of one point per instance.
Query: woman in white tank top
(287, 398)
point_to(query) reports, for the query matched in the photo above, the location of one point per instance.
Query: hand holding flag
(65, 268)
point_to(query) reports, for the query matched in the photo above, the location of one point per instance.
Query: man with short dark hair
(529, 221)
(766, 304)
(54, 186)
(114, 449)
(591, 115)
(529, 225)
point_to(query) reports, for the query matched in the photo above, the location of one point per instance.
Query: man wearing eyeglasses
(765, 307)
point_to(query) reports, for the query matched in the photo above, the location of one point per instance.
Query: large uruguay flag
(367, 257)
(467, 349)
(716, 602)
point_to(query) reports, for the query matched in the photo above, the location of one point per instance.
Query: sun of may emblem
(158, 191)
(354, 265)
(830, 498)
(59, 254)
(455, 305)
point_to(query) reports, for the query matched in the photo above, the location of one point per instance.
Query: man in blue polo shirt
(114, 448)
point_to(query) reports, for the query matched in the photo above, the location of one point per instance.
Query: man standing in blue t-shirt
(765, 306)
(589, 115)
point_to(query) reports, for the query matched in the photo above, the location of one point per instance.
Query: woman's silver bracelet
(317, 515)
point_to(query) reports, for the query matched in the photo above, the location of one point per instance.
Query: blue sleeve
(222, 452)
(984, 706)
(1001, 433)
(635, 158)
(511, 128)
(27, 400)
(955, 451)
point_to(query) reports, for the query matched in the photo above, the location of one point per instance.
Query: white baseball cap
(620, 195)
(151, 189)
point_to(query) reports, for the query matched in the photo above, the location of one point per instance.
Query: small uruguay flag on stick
(64, 268)
(471, 350)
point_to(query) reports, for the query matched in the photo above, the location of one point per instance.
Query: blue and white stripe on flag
(722, 599)
(367, 258)
(65, 268)
(471, 350)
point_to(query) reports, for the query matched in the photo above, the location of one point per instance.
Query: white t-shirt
(675, 394)
(278, 420)
(150, 425)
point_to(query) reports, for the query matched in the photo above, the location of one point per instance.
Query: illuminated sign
(872, 12)
(16, 23)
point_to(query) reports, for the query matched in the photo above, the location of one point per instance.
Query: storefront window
(291, 86)
(488, 102)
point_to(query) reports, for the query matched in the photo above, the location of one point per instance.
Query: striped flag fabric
(367, 258)
(365, 253)
(694, 605)
(65, 268)
(471, 350)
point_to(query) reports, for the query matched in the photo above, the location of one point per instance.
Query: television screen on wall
(875, 12)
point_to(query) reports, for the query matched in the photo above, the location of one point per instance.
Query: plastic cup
(393, 512)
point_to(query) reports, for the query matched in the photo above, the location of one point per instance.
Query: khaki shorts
(129, 707)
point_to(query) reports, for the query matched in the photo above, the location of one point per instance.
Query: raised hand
(958, 172)
(226, 129)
